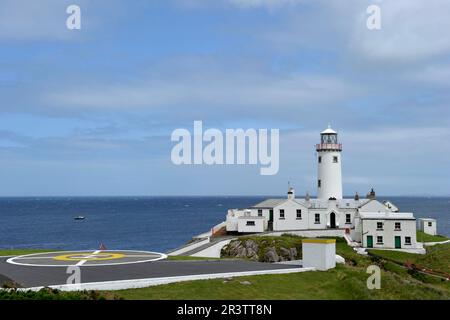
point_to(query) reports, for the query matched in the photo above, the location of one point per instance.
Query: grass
(53, 294)
(19, 252)
(423, 237)
(265, 242)
(437, 257)
(344, 282)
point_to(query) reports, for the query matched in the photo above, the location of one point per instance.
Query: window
(317, 218)
(319, 183)
(408, 240)
(379, 225)
(299, 214)
(320, 159)
(250, 223)
(398, 226)
(348, 218)
(430, 224)
(335, 159)
(379, 239)
(259, 212)
(281, 213)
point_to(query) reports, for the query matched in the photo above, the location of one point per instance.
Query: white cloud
(263, 3)
(39, 20)
(436, 75)
(411, 30)
(218, 89)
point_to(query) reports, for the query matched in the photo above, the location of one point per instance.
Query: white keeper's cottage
(372, 223)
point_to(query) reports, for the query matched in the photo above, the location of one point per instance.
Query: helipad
(86, 258)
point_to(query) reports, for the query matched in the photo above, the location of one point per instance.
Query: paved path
(32, 276)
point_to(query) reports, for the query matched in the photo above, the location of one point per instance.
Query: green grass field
(437, 257)
(345, 282)
(423, 237)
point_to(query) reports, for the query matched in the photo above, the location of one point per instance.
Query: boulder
(271, 255)
(285, 253)
(293, 253)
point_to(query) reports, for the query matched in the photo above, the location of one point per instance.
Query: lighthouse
(329, 180)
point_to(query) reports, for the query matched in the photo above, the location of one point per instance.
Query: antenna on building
(308, 197)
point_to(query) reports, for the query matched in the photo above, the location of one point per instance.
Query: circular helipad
(86, 258)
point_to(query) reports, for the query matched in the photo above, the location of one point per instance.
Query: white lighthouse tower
(329, 183)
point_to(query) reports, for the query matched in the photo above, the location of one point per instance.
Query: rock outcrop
(262, 249)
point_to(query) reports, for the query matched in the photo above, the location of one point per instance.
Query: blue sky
(90, 112)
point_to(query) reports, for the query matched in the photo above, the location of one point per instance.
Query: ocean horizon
(154, 223)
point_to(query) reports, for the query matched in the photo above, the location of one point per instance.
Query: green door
(398, 242)
(271, 215)
(369, 242)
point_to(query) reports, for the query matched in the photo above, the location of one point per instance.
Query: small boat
(79, 218)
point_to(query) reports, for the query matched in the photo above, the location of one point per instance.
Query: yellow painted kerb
(89, 256)
(319, 241)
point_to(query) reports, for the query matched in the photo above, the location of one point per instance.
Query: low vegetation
(437, 257)
(53, 294)
(345, 282)
(423, 237)
(264, 248)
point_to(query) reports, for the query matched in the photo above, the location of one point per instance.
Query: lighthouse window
(319, 183)
(335, 159)
(282, 214)
(320, 159)
(317, 218)
(299, 214)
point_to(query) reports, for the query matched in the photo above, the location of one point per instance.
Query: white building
(368, 221)
(428, 226)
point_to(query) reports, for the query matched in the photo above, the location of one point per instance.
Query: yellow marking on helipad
(89, 256)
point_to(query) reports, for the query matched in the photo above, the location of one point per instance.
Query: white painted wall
(374, 206)
(408, 229)
(290, 221)
(243, 227)
(330, 175)
(310, 233)
(424, 225)
(321, 256)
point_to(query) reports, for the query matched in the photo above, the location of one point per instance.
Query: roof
(387, 216)
(251, 217)
(316, 240)
(328, 131)
(314, 203)
(269, 203)
(427, 219)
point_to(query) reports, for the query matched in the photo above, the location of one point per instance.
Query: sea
(142, 223)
